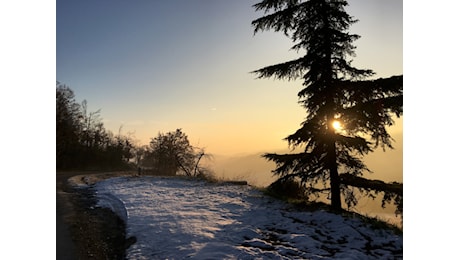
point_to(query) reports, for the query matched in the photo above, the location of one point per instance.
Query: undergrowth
(294, 193)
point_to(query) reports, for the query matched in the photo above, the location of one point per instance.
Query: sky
(155, 66)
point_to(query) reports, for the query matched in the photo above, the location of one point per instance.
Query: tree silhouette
(82, 142)
(68, 116)
(334, 92)
(172, 153)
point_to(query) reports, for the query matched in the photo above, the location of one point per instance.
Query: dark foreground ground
(82, 230)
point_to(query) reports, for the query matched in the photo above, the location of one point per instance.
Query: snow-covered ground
(174, 218)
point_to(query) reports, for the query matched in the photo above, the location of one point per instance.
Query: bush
(287, 189)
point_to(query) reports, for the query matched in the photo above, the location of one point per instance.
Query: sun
(337, 125)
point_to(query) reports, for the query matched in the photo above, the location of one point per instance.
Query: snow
(174, 218)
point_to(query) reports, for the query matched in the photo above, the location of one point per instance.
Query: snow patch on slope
(175, 218)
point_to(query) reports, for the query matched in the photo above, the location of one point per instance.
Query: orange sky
(155, 66)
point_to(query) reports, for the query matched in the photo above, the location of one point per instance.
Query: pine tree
(333, 91)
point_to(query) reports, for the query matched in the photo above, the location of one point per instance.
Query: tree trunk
(336, 202)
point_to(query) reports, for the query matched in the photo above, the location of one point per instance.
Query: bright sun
(337, 125)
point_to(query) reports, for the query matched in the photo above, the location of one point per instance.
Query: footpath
(82, 230)
(65, 246)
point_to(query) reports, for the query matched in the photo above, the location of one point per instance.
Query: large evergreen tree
(333, 91)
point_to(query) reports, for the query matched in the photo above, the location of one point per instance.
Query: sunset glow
(156, 66)
(337, 125)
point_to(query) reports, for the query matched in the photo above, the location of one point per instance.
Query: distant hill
(254, 169)
(250, 167)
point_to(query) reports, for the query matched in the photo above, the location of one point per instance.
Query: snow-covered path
(174, 218)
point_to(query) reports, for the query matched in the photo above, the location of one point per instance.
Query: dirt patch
(90, 179)
(83, 230)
